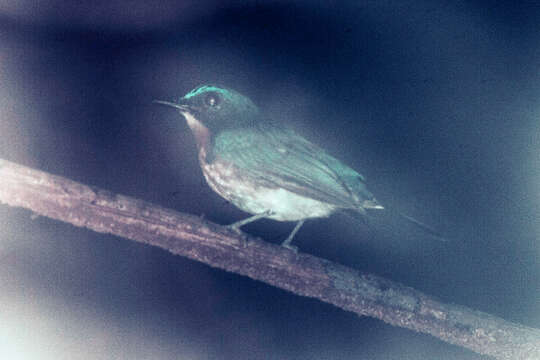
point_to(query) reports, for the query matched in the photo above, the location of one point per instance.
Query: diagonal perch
(190, 236)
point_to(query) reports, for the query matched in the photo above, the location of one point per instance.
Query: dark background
(437, 103)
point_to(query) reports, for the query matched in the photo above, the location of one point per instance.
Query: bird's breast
(255, 197)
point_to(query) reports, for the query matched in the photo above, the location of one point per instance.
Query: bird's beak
(189, 113)
(182, 107)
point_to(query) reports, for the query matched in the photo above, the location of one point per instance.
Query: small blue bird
(264, 169)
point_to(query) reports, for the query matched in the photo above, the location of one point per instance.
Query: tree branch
(302, 274)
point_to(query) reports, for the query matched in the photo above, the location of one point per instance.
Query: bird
(264, 168)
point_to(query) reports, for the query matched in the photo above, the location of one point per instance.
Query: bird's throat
(201, 132)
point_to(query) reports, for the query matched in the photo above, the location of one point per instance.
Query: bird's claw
(293, 248)
(236, 229)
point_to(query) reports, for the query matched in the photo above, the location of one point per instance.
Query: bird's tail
(373, 204)
(428, 229)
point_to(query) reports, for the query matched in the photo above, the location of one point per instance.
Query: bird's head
(216, 109)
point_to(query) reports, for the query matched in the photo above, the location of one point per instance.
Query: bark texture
(190, 236)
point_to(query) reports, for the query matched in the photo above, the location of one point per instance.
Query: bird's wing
(281, 158)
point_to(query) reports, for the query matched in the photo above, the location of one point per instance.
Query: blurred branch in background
(190, 236)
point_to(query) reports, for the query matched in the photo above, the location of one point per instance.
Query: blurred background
(437, 103)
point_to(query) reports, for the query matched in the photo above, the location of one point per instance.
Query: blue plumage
(265, 169)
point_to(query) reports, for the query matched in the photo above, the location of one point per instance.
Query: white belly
(286, 206)
(254, 199)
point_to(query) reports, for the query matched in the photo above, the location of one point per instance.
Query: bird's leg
(236, 225)
(287, 242)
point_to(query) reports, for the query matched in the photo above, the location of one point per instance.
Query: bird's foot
(236, 228)
(288, 240)
(293, 248)
(237, 225)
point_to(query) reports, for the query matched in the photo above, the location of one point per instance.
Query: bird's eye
(212, 100)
